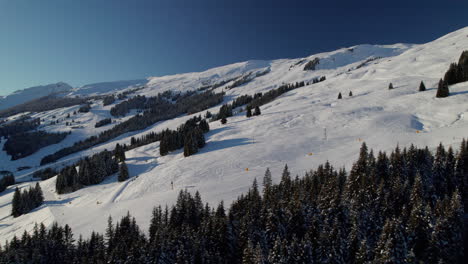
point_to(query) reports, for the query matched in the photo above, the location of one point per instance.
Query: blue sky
(88, 41)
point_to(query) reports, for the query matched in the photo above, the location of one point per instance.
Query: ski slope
(290, 130)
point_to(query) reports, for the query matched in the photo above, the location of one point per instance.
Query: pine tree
(391, 247)
(119, 153)
(249, 111)
(16, 206)
(267, 181)
(350, 93)
(463, 66)
(390, 86)
(223, 120)
(123, 172)
(339, 96)
(38, 195)
(451, 76)
(442, 89)
(422, 87)
(257, 111)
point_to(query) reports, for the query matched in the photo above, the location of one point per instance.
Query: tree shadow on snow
(225, 144)
(57, 202)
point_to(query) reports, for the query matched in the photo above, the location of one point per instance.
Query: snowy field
(290, 130)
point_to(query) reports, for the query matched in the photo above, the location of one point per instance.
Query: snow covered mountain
(25, 95)
(106, 87)
(302, 128)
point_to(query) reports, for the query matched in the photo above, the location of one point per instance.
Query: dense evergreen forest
(21, 125)
(7, 179)
(103, 122)
(43, 104)
(457, 73)
(92, 170)
(158, 112)
(403, 207)
(24, 144)
(108, 100)
(26, 200)
(256, 101)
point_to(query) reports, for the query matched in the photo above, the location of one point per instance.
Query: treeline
(246, 78)
(44, 174)
(189, 136)
(123, 108)
(108, 100)
(255, 101)
(23, 124)
(92, 170)
(85, 108)
(7, 179)
(25, 201)
(311, 65)
(274, 93)
(455, 74)
(43, 104)
(103, 122)
(458, 72)
(24, 144)
(185, 105)
(402, 207)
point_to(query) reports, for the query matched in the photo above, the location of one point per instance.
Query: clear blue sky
(86, 41)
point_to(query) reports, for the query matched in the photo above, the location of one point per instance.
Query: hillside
(22, 96)
(302, 128)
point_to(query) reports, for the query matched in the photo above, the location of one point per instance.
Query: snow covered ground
(25, 95)
(290, 131)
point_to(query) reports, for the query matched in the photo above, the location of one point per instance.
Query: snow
(107, 87)
(289, 131)
(22, 96)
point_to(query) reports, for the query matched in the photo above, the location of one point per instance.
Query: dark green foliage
(21, 125)
(451, 76)
(339, 96)
(317, 80)
(108, 100)
(223, 120)
(123, 172)
(442, 89)
(189, 136)
(458, 73)
(43, 104)
(92, 170)
(24, 202)
(257, 111)
(159, 109)
(7, 179)
(24, 144)
(103, 122)
(463, 66)
(45, 174)
(422, 87)
(311, 65)
(85, 108)
(390, 86)
(249, 111)
(119, 153)
(225, 111)
(204, 126)
(386, 210)
(123, 108)
(350, 93)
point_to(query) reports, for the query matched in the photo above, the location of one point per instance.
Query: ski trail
(115, 195)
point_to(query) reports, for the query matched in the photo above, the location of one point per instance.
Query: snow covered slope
(290, 130)
(106, 87)
(22, 96)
